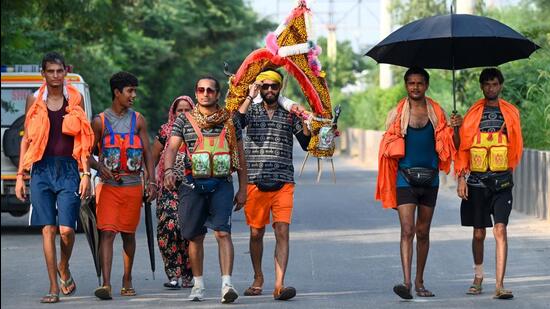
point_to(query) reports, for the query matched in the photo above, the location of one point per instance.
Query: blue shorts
(54, 192)
(199, 210)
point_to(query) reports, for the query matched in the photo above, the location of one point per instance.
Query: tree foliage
(167, 44)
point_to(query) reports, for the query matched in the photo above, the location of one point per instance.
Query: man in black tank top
(56, 185)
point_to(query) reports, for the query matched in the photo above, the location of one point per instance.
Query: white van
(16, 86)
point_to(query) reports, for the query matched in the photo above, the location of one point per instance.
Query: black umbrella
(88, 221)
(452, 42)
(149, 231)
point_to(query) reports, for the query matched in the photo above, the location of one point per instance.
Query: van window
(13, 104)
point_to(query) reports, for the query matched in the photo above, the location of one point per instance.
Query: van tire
(11, 141)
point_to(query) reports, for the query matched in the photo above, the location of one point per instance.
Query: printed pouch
(111, 158)
(498, 158)
(326, 138)
(221, 164)
(134, 158)
(478, 159)
(200, 164)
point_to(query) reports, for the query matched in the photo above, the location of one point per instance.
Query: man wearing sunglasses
(215, 150)
(269, 144)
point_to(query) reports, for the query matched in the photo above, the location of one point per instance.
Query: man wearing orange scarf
(58, 139)
(417, 144)
(481, 195)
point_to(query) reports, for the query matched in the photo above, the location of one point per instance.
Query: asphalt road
(344, 254)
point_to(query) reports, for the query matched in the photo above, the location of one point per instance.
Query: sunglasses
(275, 87)
(207, 89)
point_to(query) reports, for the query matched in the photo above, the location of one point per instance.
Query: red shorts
(118, 208)
(259, 204)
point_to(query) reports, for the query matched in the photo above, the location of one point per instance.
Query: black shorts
(426, 196)
(476, 211)
(197, 211)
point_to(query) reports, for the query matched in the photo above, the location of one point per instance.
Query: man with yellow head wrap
(269, 143)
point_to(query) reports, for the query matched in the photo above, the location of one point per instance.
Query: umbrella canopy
(452, 42)
(88, 220)
(149, 231)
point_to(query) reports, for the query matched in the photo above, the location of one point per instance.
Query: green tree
(168, 44)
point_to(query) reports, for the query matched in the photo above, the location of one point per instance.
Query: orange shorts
(118, 208)
(259, 204)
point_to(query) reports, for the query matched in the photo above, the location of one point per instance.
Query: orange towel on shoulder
(37, 127)
(470, 128)
(386, 182)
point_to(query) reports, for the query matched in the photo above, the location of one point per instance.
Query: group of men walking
(419, 142)
(202, 145)
(199, 149)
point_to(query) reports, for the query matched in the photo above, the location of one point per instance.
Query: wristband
(87, 174)
(250, 98)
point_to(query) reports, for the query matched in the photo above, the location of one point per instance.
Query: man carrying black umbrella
(490, 147)
(417, 144)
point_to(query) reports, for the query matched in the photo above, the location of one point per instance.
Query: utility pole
(331, 38)
(465, 6)
(386, 80)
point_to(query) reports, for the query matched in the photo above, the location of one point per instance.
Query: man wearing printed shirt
(268, 151)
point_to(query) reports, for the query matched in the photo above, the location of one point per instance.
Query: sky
(356, 20)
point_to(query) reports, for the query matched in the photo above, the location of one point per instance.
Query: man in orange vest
(121, 134)
(490, 147)
(417, 144)
(55, 154)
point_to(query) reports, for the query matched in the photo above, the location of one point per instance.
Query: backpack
(121, 151)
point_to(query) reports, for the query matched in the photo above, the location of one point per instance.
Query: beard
(270, 99)
(491, 97)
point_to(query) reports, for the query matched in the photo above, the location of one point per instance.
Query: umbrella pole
(454, 94)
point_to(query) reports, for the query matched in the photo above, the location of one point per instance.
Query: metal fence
(532, 184)
(532, 176)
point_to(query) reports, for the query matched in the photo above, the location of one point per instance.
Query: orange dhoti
(118, 207)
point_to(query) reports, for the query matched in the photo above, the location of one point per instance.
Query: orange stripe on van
(34, 78)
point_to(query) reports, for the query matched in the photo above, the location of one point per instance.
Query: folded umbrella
(89, 225)
(149, 231)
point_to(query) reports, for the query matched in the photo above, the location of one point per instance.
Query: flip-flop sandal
(503, 294)
(423, 292)
(50, 299)
(66, 284)
(253, 291)
(403, 291)
(103, 292)
(284, 293)
(475, 289)
(128, 292)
